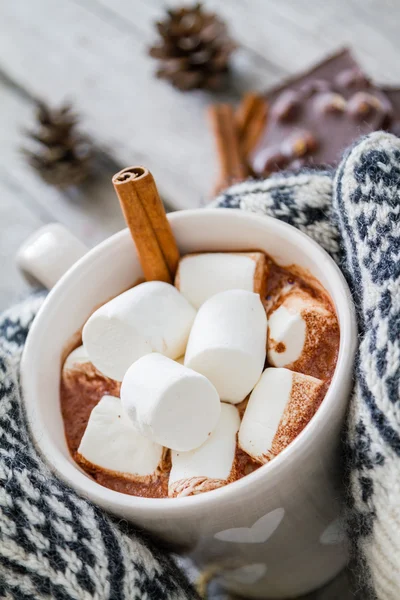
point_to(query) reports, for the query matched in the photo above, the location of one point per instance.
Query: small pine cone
(194, 49)
(63, 155)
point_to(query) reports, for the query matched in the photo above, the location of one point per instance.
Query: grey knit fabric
(367, 204)
(354, 215)
(53, 544)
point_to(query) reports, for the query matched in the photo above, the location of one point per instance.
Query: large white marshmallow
(201, 276)
(227, 343)
(278, 409)
(209, 466)
(111, 443)
(296, 327)
(151, 317)
(169, 403)
(77, 357)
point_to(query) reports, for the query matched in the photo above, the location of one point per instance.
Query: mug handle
(48, 253)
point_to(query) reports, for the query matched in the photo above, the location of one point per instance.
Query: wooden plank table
(94, 52)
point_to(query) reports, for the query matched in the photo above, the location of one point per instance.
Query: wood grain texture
(98, 49)
(21, 222)
(26, 203)
(100, 61)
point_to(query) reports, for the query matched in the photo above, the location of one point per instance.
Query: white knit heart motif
(258, 533)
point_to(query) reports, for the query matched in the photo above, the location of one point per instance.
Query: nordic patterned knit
(54, 544)
(355, 215)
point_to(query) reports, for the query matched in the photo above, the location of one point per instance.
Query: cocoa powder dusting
(194, 486)
(304, 401)
(158, 488)
(282, 280)
(82, 387)
(242, 465)
(154, 486)
(319, 356)
(320, 351)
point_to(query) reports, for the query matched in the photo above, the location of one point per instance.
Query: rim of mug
(100, 494)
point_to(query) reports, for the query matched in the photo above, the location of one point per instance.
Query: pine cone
(64, 155)
(194, 50)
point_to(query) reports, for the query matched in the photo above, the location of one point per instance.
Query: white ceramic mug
(275, 533)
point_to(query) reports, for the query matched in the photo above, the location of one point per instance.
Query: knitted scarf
(56, 545)
(355, 215)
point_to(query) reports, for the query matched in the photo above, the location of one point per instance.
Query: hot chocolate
(262, 351)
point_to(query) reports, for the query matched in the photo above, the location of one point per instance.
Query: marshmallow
(210, 466)
(278, 409)
(79, 377)
(111, 443)
(227, 343)
(151, 317)
(201, 276)
(303, 334)
(77, 357)
(169, 403)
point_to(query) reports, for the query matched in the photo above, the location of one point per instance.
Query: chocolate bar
(394, 97)
(315, 116)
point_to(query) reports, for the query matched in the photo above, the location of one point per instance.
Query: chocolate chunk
(286, 106)
(352, 78)
(330, 102)
(271, 160)
(395, 129)
(299, 144)
(322, 112)
(393, 124)
(362, 104)
(313, 87)
(280, 347)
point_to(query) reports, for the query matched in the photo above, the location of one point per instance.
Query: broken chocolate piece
(392, 123)
(299, 144)
(352, 78)
(330, 102)
(363, 104)
(286, 106)
(322, 96)
(271, 160)
(313, 87)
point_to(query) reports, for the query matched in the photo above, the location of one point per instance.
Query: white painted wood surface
(94, 52)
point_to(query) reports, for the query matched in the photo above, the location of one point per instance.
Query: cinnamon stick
(150, 229)
(254, 131)
(232, 167)
(250, 118)
(245, 111)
